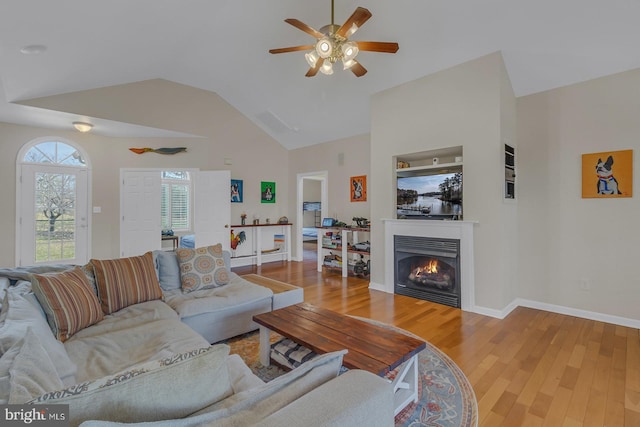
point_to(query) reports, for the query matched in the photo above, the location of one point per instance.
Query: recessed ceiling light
(33, 49)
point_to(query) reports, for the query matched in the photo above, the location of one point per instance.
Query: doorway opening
(312, 206)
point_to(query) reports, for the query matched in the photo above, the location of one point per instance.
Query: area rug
(445, 397)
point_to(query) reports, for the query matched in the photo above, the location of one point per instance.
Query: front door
(54, 215)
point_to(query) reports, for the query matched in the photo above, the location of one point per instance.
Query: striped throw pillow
(126, 281)
(67, 300)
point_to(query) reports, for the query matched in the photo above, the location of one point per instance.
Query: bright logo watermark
(36, 415)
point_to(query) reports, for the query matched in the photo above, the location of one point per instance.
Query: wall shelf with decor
(263, 243)
(440, 159)
(344, 248)
(418, 170)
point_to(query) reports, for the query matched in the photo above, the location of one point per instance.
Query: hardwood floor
(533, 368)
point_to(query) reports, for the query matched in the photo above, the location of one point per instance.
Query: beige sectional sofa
(116, 352)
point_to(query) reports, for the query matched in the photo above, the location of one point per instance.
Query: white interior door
(140, 200)
(212, 214)
(54, 215)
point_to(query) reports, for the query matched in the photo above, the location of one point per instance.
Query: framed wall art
(358, 186)
(607, 174)
(267, 192)
(236, 191)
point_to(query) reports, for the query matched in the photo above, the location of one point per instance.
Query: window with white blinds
(176, 201)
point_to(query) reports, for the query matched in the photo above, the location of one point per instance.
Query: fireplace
(428, 268)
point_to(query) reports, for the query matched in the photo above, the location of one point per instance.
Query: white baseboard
(553, 308)
(378, 287)
(491, 312)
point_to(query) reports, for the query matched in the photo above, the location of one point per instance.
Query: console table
(252, 250)
(174, 239)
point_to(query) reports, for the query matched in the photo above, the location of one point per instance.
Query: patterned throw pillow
(202, 268)
(126, 281)
(67, 300)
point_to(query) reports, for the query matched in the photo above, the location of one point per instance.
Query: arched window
(52, 203)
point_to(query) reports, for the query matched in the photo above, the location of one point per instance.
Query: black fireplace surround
(427, 268)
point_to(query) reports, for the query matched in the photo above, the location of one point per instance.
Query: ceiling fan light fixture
(349, 51)
(324, 47)
(327, 68)
(332, 44)
(348, 63)
(312, 58)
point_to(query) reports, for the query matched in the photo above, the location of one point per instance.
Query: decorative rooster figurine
(236, 240)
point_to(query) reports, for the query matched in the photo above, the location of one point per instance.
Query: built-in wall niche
(429, 184)
(509, 172)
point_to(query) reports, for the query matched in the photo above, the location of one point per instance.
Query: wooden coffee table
(370, 347)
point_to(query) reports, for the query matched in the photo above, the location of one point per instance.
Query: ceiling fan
(333, 44)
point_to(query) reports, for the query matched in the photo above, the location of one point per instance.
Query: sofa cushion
(173, 387)
(251, 407)
(168, 270)
(126, 281)
(202, 268)
(239, 291)
(240, 375)
(136, 334)
(21, 315)
(67, 300)
(32, 372)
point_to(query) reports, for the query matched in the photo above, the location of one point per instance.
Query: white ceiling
(221, 46)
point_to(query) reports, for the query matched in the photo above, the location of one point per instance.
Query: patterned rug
(445, 397)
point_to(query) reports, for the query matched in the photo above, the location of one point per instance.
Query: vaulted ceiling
(222, 47)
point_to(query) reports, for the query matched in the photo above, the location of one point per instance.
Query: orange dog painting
(607, 174)
(358, 188)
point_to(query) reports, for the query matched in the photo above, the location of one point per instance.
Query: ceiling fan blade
(304, 27)
(291, 49)
(358, 69)
(384, 47)
(355, 21)
(314, 70)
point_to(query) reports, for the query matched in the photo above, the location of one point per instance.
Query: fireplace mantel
(462, 230)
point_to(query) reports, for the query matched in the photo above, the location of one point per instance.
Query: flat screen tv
(430, 196)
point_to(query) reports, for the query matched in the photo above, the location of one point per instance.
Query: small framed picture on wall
(267, 192)
(358, 186)
(236, 191)
(608, 174)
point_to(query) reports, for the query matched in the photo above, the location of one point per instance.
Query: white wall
(461, 106)
(342, 159)
(563, 237)
(225, 134)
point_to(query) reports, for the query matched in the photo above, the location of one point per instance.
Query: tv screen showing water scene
(436, 196)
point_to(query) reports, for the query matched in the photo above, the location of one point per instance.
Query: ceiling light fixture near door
(82, 126)
(33, 49)
(333, 44)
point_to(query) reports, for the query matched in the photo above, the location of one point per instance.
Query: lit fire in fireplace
(429, 274)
